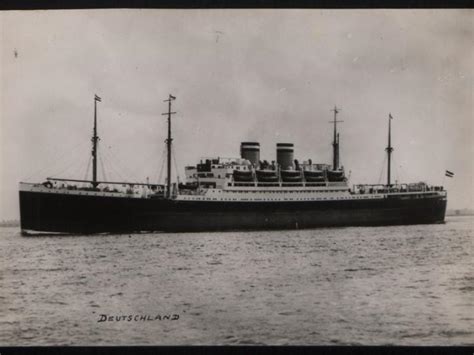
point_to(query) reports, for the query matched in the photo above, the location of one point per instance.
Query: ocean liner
(219, 194)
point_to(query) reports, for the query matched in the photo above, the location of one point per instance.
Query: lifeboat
(314, 176)
(335, 175)
(267, 176)
(242, 176)
(291, 175)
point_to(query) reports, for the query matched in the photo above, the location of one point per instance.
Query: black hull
(67, 213)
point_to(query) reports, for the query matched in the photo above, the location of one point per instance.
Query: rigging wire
(104, 176)
(56, 162)
(131, 176)
(163, 154)
(403, 173)
(382, 171)
(143, 162)
(111, 165)
(396, 169)
(119, 175)
(44, 167)
(175, 164)
(88, 167)
(69, 156)
(73, 163)
(79, 167)
(112, 158)
(121, 165)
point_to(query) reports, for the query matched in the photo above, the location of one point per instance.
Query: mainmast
(168, 144)
(335, 143)
(389, 148)
(95, 140)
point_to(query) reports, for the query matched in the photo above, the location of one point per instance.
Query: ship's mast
(335, 143)
(95, 140)
(389, 148)
(168, 144)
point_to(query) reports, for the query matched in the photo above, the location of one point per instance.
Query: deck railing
(394, 189)
(287, 184)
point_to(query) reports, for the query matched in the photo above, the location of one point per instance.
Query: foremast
(335, 143)
(168, 141)
(95, 139)
(389, 149)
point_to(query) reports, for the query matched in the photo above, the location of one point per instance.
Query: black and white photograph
(177, 177)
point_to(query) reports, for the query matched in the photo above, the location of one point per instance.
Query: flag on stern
(97, 98)
(449, 173)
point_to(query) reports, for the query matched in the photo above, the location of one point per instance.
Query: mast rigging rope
(88, 167)
(163, 154)
(382, 171)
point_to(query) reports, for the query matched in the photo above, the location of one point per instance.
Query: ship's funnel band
(250, 149)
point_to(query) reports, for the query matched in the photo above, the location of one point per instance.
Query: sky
(238, 75)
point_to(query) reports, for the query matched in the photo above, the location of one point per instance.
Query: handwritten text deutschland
(137, 317)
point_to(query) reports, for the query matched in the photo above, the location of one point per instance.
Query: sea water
(401, 285)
